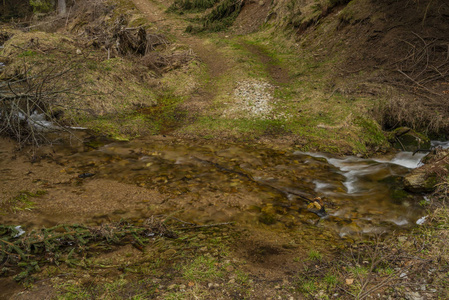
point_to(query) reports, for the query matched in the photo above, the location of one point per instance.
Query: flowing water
(217, 183)
(247, 184)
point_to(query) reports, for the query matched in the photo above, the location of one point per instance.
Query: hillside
(308, 71)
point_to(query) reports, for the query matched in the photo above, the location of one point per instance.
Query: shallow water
(218, 183)
(361, 195)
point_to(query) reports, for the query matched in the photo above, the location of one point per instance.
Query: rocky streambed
(250, 185)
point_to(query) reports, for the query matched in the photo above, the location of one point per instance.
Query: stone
(418, 181)
(407, 139)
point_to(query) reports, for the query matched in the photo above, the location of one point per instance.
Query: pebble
(253, 97)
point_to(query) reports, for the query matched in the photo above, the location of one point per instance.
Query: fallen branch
(418, 84)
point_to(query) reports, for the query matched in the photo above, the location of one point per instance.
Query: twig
(402, 146)
(418, 84)
(204, 226)
(51, 21)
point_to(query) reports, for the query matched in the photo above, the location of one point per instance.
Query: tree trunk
(62, 7)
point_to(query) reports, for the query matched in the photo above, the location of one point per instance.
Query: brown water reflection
(209, 183)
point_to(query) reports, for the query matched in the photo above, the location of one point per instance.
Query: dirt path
(278, 74)
(207, 53)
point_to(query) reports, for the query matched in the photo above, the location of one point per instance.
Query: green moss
(410, 141)
(27, 53)
(22, 201)
(430, 182)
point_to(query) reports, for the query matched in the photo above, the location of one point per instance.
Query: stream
(221, 183)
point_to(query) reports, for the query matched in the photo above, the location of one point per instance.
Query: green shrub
(42, 6)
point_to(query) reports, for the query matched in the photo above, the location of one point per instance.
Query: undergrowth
(219, 18)
(191, 5)
(22, 255)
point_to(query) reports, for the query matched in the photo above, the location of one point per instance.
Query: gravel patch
(252, 98)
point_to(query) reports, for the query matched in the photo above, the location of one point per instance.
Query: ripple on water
(226, 181)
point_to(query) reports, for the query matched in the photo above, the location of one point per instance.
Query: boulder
(420, 181)
(407, 139)
(425, 178)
